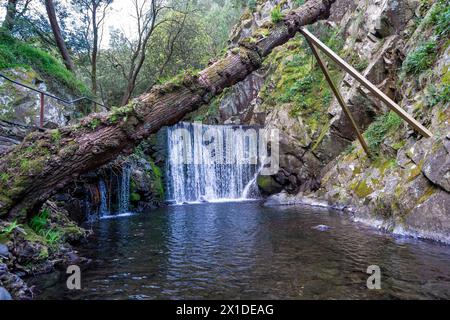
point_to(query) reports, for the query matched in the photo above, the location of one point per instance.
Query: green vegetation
(276, 14)
(10, 228)
(158, 180)
(435, 95)
(94, 123)
(420, 59)
(135, 197)
(40, 225)
(355, 60)
(16, 53)
(297, 83)
(439, 18)
(56, 135)
(4, 177)
(378, 130)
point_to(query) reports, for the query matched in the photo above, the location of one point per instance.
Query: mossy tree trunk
(46, 162)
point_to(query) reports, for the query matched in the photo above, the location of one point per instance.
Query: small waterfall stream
(124, 191)
(103, 198)
(118, 202)
(211, 163)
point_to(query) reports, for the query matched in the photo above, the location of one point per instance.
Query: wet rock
(11, 135)
(437, 165)
(4, 252)
(268, 185)
(27, 251)
(284, 198)
(321, 227)
(14, 285)
(431, 218)
(4, 294)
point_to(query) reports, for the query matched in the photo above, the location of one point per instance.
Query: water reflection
(246, 251)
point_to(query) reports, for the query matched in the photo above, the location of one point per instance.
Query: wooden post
(41, 119)
(366, 83)
(339, 97)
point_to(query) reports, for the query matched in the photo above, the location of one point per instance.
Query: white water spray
(211, 163)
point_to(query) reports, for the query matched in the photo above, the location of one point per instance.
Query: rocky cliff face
(406, 189)
(400, 46)
(20, 105)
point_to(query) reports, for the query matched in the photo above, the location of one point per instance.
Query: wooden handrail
(366, 83)
(339, 97)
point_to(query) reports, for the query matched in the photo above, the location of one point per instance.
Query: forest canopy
(111, 62)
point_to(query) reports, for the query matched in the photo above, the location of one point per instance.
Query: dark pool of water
(246, 251)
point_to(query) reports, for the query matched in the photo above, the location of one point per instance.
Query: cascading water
(124, 191)
(103, 199)
(211, 163)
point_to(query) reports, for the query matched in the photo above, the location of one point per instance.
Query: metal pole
(41, 120)
(339, 97)
(367, 84)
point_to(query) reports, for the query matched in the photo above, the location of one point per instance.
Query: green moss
(158, 180)
(322, 135)
(383, 164)
(377, 131)
(16, 53)
(56, 135)
(426, 195)
(398, 145)
(4, 239)
(415, 171)
(362, 189)
(296, 80)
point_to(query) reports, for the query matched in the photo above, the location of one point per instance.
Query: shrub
(420, 59)
(276, 14)
(435, 95)
(440, 18)
(378, 130)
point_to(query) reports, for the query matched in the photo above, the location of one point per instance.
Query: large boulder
(268, 185)
(437, 164)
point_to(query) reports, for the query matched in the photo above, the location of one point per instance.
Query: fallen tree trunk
(46, 162)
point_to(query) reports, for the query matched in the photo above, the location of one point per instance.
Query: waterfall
(210, 163)
(103, 199)
(124, 189)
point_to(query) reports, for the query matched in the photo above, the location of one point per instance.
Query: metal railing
(43, 94)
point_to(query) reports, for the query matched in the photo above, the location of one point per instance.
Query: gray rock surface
(4, 294)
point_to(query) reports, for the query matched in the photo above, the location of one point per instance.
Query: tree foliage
(170, 36)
